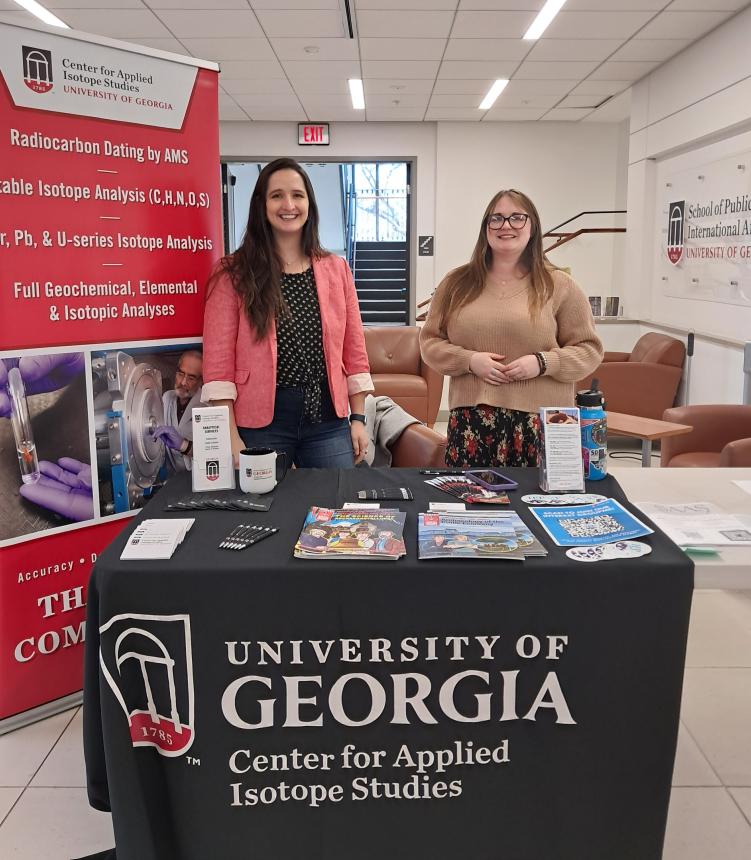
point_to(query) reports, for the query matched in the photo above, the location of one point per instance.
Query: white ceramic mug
(258, 469)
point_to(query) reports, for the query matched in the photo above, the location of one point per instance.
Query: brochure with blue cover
(587, 525)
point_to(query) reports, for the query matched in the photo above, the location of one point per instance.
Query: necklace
(295, 268)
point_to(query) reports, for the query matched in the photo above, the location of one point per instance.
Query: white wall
(694, 109)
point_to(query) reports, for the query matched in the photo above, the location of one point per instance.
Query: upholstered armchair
(642, 382)
(399, 372)
(419, 447)
(721, 436)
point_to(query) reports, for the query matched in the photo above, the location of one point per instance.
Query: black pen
(440, 472)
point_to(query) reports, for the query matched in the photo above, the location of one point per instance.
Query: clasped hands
(489, 367)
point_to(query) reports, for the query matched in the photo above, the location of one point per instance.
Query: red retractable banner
(110, 223)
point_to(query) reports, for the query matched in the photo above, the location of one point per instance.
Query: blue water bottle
(594, 429)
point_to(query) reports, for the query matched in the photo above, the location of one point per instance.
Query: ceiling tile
(251, 69)
(574, 49)
(557, 87)
(400, 5)
(328, 49)
(228, 49)
(271, 115)
(290, 24)
(335, 86)
(403, 24)
(481, 69)
(549, 71)
(320, 103)
(486, 49)
(164, 4)
(596, 25)
(500, 5)
(256, 86)
(295, 4)
(612, 71)
(449, 114)
(118, 23)
(600, 88)
(566, 114)
(472, 86)
(395, 114)
(339, 115)
(404, 86)
(616, 5)
(402, 49)
(399, 69)
(272, 101)
(232, 113)
(496, 114)
(216, 24)
(483, 25)
(511, 100)
(707, 5)
(573, 101)
(616, 109)
(89, 4)
(464, 100)
(171, 45)
(24, 19)
(406, 100)
(651, 49)
(343, 69)
(682, 25)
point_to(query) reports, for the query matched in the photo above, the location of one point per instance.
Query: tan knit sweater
(563, 331)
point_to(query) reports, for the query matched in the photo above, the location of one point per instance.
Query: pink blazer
(238, 367)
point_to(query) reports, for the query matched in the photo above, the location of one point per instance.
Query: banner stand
(110, 225)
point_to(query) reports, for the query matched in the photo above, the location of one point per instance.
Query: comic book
(467, 535)
(528, 543)
(352, 533)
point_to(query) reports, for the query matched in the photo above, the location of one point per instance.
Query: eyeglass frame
(505, 219)
(188, 377)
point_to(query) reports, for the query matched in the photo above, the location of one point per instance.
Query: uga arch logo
(37, 69)
(148, 663)
(676, 220)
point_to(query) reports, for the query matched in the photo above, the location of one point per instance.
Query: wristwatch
(355, 416)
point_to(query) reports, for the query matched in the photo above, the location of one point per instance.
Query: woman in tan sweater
(513, 333)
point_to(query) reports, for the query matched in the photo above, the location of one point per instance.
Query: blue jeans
(327, 445)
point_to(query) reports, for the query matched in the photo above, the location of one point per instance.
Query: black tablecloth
(584, 776)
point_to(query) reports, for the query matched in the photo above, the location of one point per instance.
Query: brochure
(156, 539)
(528, 543)
(468, 491)
(699, 524)
(587, 525)
(352, 533)
(467, 536)
(561, 465)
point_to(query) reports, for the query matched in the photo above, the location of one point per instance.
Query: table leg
(646, 453)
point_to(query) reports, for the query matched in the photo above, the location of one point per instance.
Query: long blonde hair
(465, 283)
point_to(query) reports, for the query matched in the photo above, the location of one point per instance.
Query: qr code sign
(603, 524)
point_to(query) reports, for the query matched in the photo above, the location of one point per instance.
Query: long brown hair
(464, 284)
(255, 268)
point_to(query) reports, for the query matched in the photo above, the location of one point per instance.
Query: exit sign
(313, 134)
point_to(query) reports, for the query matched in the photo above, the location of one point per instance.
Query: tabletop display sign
(561, 468)
(213, 466)
(110, 224)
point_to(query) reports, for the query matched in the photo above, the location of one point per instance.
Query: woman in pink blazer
(283, 343)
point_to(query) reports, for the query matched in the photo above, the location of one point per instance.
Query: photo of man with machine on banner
(143, 403)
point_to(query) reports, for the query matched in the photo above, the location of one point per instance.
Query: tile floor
(44, 812)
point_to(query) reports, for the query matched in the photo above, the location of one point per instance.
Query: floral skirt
(492, 436)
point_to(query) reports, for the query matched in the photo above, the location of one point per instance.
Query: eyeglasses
(515, 219)
(188, 377)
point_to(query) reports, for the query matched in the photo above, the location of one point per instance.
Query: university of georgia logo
(148, 663)
(212, 470)
(37, 69)
(676, 215)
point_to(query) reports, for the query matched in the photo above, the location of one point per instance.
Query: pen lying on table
(441, 471)
(242, 537)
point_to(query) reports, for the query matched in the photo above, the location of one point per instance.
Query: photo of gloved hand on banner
(45, 471)
(143, 403)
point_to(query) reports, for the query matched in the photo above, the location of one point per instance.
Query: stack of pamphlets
(468, 491)
(467, 535)
(352, 533)
(588, 525)
(156, 539)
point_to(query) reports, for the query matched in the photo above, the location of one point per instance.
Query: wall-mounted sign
(425, 246)
(313, 134)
